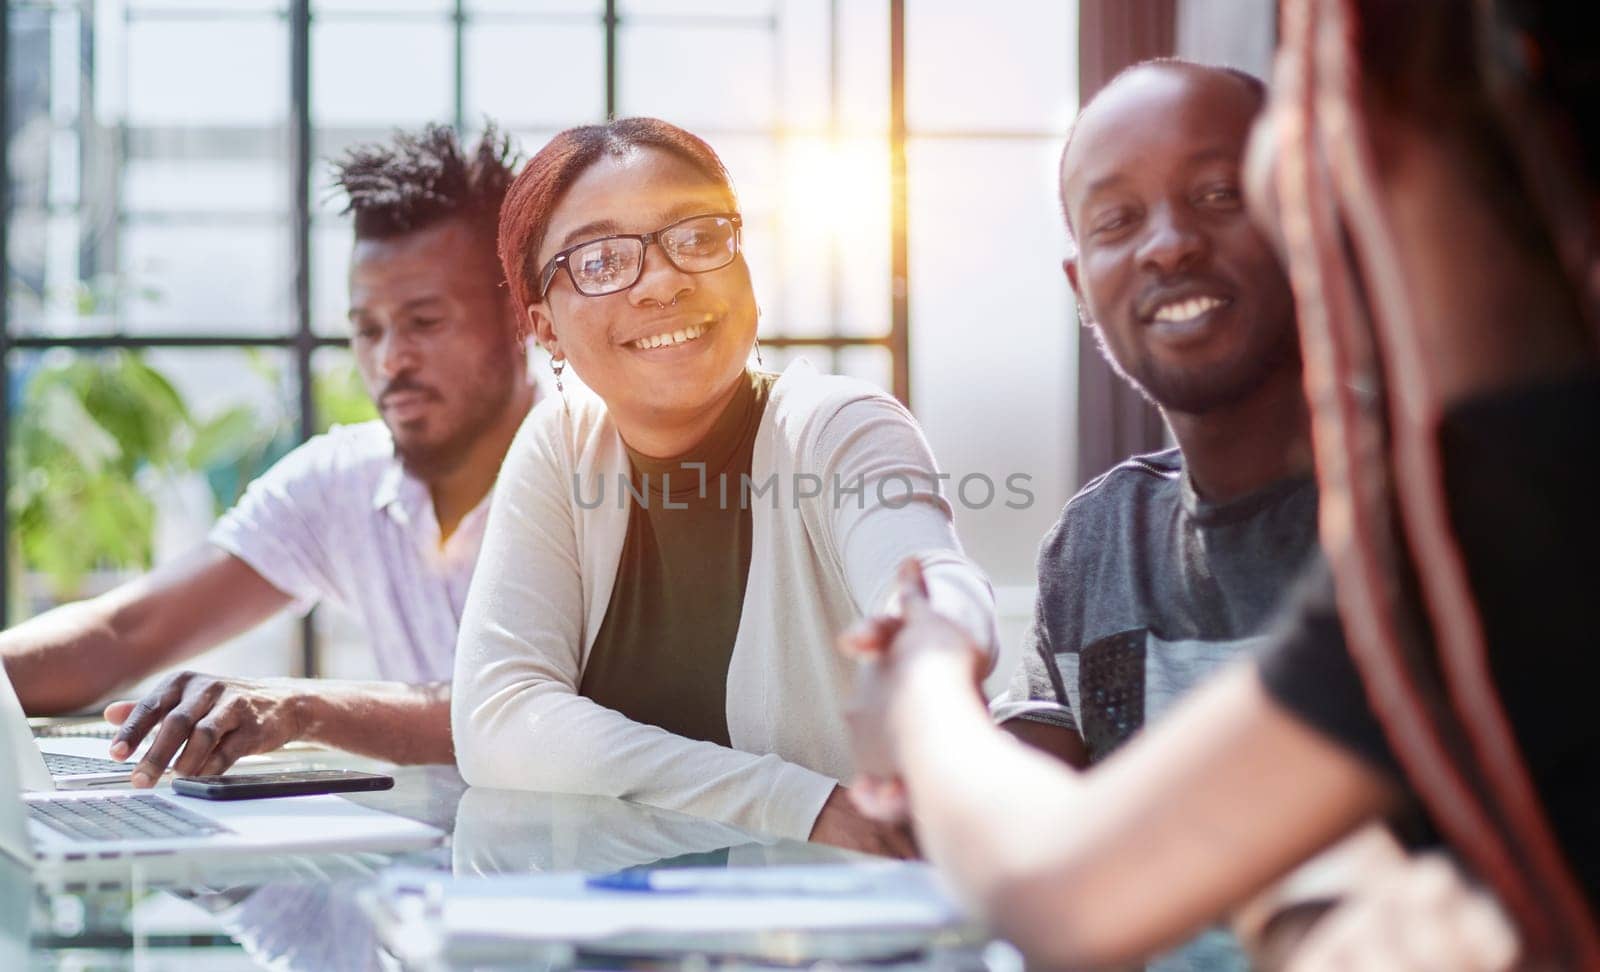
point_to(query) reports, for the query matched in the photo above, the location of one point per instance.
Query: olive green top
(661, 656)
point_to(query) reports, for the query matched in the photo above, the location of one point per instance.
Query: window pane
(211, 72)
(834, 214)
(535, 75)
(204, 6)
(121, 460)
(178, 185)
(1017, 58)
(338, 394)
(705, 76)
(379, 7)
(869, 364)
(367, 72)
(594, 7)
(710, 8)
(340, 397)
(330, 267)
(205, 278)
(993, 324)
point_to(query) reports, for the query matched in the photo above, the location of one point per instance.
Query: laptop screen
(16, 746)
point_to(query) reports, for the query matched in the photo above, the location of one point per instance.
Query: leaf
(225, 438)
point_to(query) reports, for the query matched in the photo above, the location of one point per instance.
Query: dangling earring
(759, 363)
(558, 365)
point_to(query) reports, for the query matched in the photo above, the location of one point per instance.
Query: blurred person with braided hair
(1437, 193)
(383, 518)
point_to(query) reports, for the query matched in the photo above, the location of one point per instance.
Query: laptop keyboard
(60, 764)
(77, 730)
(121, 817)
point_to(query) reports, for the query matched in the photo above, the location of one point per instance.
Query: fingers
(913, 585)
(116, 712)
(880, 799)
(203, 742)
(869, 637)
(230, 750)
(176, 729)
(145, 714)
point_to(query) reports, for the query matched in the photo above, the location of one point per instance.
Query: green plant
(340, 397)
(86, 427)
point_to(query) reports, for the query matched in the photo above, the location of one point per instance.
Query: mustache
(401, 386)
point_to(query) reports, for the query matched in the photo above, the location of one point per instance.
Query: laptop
(67, 762)
(59, 827)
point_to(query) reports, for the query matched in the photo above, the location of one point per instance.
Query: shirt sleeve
(517, 718)
(281, 524)
(1520, 467)
(874, 445)
(1036, 693)
(1309, 672)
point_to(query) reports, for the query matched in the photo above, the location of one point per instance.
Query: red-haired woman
(672, 550)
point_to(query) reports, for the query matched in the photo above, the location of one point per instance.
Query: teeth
(670, 338)
(1185, 310)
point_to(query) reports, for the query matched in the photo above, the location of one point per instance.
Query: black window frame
(303, 342)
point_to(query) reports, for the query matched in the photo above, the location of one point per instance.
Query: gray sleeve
(1037, 692)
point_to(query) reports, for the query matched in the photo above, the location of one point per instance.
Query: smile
(667, 339)
(1188, 309)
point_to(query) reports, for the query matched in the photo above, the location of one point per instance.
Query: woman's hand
(841, 824)
(888, 650)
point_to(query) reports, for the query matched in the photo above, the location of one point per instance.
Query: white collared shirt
(340, 520)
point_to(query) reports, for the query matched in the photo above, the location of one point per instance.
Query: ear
(544, 329)
(1070, 265)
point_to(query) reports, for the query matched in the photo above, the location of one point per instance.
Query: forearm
(545, 737)
(392, 721)
(1107, 866)
(66, 659)
(77, 654)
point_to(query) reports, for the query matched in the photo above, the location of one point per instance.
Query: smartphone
(254, 786)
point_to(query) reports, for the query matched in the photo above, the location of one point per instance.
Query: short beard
(1197, 394)
(430, 461)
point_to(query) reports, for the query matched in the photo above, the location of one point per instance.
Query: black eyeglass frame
(560, 261)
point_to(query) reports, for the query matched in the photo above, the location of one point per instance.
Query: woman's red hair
(525, 214)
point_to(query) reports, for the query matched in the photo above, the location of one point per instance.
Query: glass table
(316, 911)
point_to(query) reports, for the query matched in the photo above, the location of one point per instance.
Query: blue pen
(732, 881)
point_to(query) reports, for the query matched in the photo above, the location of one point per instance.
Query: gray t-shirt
(1144, 589)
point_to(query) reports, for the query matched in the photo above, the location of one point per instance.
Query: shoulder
(353, 453)
(563, 437)
(808, 409)
(1109, 497)
(1149, 475)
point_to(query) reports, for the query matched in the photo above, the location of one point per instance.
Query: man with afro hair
(383, 518)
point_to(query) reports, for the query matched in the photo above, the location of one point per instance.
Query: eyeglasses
(610, 264)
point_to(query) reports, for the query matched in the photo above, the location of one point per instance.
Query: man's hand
(214, 720)
(1420, 915)
(886, 648)
(842, 825)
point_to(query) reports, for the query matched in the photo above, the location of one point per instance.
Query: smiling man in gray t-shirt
(1170, 564)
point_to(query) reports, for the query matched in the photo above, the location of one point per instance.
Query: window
(170, 221)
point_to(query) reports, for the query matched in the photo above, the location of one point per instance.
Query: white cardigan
(817, 564)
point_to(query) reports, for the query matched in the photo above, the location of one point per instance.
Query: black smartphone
(254, 786)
